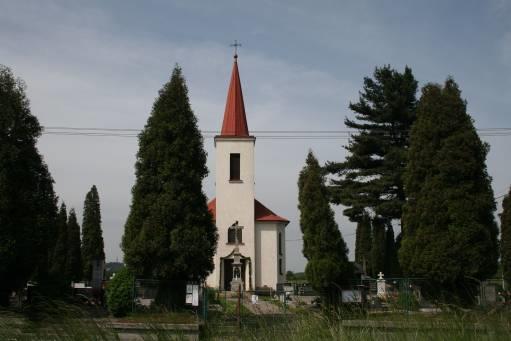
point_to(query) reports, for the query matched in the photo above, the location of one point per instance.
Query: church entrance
(228, 273)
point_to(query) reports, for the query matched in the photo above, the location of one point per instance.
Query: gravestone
(381, 290)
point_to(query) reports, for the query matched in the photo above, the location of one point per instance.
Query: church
(251, 237)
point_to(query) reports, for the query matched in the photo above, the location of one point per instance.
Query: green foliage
(169, 233)
(27, 200)
(59, 259)
(74, 266)
(391, 261)
(119, 293)
(370, 177)
(449, 231)
(363, 243)
(505, 237)
(323, 245)
(92, 236)
(378, 246)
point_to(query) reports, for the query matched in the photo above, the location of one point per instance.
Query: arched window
(231, 235)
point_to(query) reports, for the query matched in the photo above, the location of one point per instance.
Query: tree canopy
(27, 200)
(170, 233)
(323, 245)
(92, 235)
(505, 237)
(370, 179)
(449, 231)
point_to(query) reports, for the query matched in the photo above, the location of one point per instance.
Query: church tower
(235, 209)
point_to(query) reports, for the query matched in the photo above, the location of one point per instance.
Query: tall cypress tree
(27, 199)
(378, 246)
(369, 180)
(74, 266)
(323, 245)
(92, 235)
(169, 233)
(391, 260)
(363, 243)
(505, 237)
(60, 252)
(449, 231)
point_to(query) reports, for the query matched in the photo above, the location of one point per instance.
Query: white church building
(241, 219)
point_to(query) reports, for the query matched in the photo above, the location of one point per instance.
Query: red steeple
(235, 121)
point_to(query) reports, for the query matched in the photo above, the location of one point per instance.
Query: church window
(280, 244)
(280, 266)
(235, 167)
(231, 235)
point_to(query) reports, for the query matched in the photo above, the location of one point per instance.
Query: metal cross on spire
(236, 45)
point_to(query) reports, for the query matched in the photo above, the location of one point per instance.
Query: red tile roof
(235, 120)
(261, 212)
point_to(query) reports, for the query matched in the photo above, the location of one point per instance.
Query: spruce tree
(92, 235)
(369, 180)
(27, 200)
(74, 266)
(505, 238)
(323, 245)
(449, 231)
(363, 243)
(170, 233)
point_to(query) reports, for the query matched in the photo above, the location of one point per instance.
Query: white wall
(267, 255)
(234, 201)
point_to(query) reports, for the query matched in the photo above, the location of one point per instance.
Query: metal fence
(153, 294)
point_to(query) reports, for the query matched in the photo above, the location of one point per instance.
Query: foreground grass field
(59, 321)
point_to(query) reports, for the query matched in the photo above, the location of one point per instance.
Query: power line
(261, 134)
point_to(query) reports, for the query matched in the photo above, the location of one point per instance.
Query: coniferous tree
(60, 252)
(449, 231)
(170, 233)
(378, 246)
(92, 235)
(391, 260)
(370, 178)
(323, 245)
(27, 200)
(74, 253)
(363, 243)
(505, 238)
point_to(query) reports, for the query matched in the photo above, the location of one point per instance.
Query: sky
(101, 63)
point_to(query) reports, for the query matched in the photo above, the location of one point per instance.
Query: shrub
(120, 293)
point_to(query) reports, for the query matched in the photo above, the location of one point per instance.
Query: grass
(454, 325)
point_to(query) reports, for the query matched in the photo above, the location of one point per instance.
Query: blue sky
(101, 64)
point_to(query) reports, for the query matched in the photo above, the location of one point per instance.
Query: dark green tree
(370, 179)
(323, 245)
(60, 252)
(169, 233)
(119, 293)
(92, 236)
(363, 243)
(74, 266)
(27, 200)
(505, 237)
(449, 230)
(378, 246)
(391, 260)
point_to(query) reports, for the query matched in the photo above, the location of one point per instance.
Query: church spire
(235, 120)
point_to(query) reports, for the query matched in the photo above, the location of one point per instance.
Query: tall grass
(315, 326)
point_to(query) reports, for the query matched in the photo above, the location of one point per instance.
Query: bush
(120, 293)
